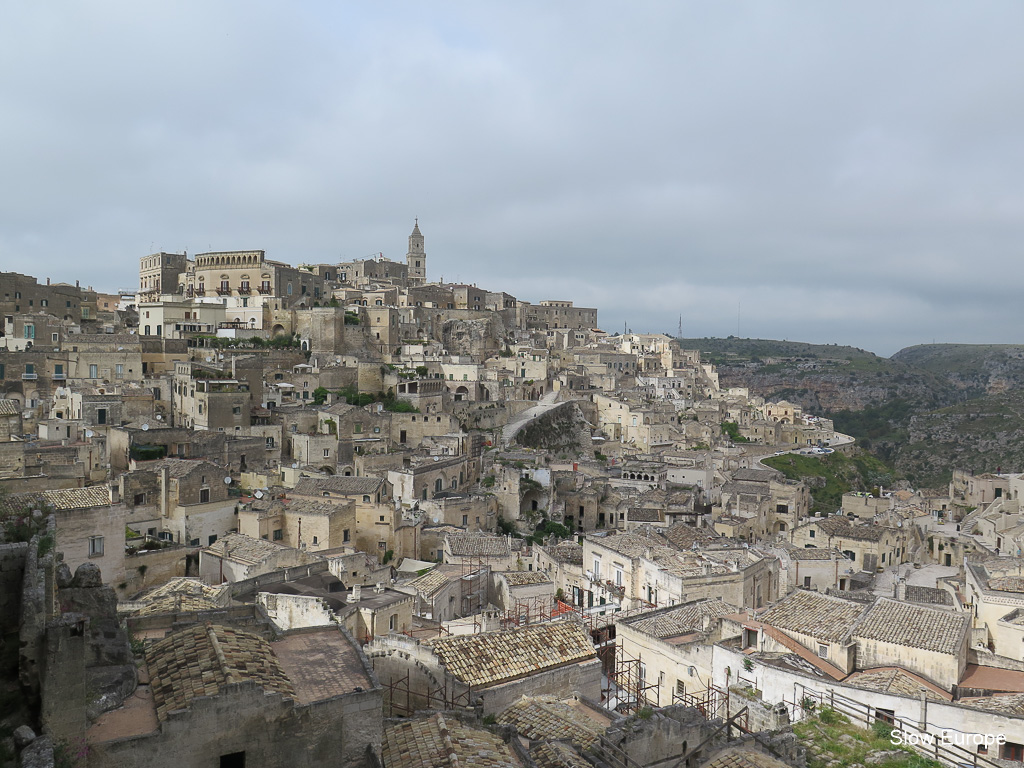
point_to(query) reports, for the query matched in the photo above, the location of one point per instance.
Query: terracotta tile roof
(9, 408)
(1007, 583)
(566, 552)
(201, 660)
(898, 681)
(495, 657)
(1012, 704)
(478, 545)
(680, 619)
(178, 468)
(341, 485)
(685, 536)
(802, 653)
(814, 614)
(555, 754)
(243, 549)
(545, 718)
(524, 578)
(913, 626)
(429, 584)
(840, 526)
(443, 742)
(69, 498)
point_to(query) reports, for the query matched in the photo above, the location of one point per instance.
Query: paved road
(510, 430)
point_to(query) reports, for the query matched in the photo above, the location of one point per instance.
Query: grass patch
(831, 736)
(839, 474)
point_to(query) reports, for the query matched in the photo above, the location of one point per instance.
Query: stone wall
(12, 569)
(268, 728)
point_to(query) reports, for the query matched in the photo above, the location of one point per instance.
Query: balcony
(244, 290)
(223, 291)
(265, 290)
(29, 376)
(60, 377)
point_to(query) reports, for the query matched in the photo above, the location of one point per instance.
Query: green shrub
(829, 716)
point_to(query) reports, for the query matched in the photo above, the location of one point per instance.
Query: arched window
(438, 485)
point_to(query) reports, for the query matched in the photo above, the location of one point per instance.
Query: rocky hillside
(925, 410)
(823, 378)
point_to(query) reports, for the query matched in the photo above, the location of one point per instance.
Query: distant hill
(926, 410)
(974, 369)
(822, 378)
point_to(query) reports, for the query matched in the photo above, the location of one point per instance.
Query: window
(118, 370)
(618, 577)
(95, 546)
(211, 540)
(2, 373)
(237, 410)
(465, 519)
(382, 545)
(327, 453)
(807, 582)
(270, 442)
(597, 567)
(140, 498)
(822, 651)
(345, 535)
(278, 534)
(30, 331)
(101, 415)
(315, 540)
(94, 371)
(382, 518)
(393, 622)
(811, 533)
(366, 499)
(204, 495)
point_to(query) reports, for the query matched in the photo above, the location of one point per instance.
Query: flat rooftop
(321, 665)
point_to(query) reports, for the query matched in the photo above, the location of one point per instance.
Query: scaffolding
(711, 702)
(400, 700)
(626, 689)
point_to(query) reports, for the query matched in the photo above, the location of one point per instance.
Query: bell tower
(416, 258)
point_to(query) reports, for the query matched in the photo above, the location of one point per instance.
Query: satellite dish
(435, 519)
(436, 458)
(145, 427)
(295, 465)
(227, 481)
(258, 494)
(159, 417)
(89, 433)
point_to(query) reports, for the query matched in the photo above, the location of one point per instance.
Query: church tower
(416, 258)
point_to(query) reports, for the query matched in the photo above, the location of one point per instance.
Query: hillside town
(350, 514)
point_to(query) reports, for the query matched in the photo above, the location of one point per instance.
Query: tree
(320, 395)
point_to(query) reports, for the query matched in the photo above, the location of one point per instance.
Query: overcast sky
(810, 171)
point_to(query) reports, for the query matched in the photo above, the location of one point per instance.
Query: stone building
(223, 696)
(492, 669)
(159, 273)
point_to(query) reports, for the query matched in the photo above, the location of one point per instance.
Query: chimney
(901, 589)
(77, 284)
(705, 622)
(47, 281)
(356, 593)
(115, 494)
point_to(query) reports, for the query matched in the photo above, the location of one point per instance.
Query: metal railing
(924, 742)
